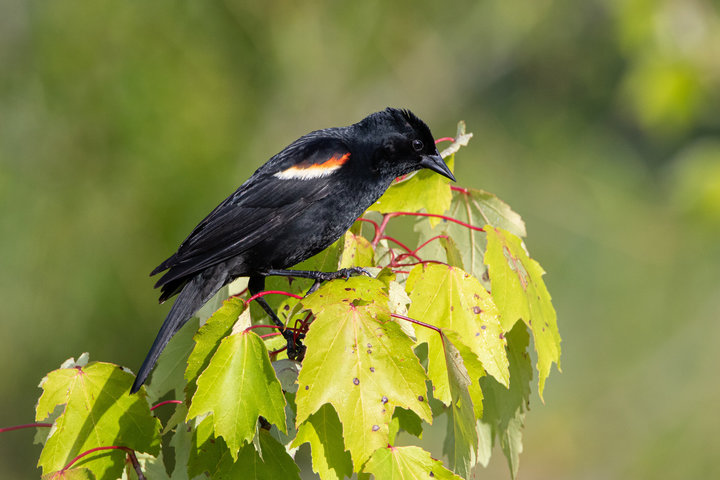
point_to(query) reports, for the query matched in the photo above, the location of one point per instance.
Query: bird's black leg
(295, 349)
(319, 276)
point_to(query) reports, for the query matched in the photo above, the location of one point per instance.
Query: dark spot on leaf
(384, 399)
(483, 327)
(502, 336)
(348, 289)
(476, 296)
(485, 276)
(369, 345)
(356, 381)
(421, 398)
(372, 369)
(452, 307)
(375, 428)
(477, 310)
(432, 474)
(369, 351)
(307, 387)
(477, 334)
(286, 307)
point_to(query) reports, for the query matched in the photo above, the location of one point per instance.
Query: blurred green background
(123, 123)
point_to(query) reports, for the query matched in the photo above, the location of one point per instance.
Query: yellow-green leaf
(449, 298)
(407, 463)
(239, 385)
(99, 411)
(520, 293)
(324, 433)
(360, 362)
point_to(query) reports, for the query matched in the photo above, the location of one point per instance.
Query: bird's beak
(436, 164)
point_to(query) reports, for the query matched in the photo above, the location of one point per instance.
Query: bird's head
(403, 144)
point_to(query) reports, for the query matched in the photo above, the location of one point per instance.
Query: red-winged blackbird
(297, 204)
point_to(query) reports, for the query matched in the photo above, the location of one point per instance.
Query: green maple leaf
(208, 338)
(425, 190)
(205, 450)
(406, 463)
(407, 421)
(504, 415)
(239, 385)
(265, 459)
(357, 251)
(465, 247)
(71, 474)
(99, 411)
(181, 443)
(360, 362)
(520, 293)
(324, 433)
(461, 441)
(449, 298)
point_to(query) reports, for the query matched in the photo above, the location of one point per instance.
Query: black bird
(297, 204)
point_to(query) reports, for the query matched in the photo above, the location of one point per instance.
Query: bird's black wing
(278, 192)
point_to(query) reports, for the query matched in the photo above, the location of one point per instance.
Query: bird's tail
(193, 296)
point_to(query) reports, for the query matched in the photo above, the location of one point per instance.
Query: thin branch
(136, 465)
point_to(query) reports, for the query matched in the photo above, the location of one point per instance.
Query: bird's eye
(417, 145)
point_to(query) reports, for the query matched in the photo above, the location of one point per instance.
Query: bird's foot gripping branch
(441, 328)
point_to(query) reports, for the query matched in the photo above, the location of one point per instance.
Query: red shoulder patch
(308, 170)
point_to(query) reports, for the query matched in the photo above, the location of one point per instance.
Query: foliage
(422, 338)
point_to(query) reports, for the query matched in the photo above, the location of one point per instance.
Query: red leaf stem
(379, 232)
(27, 425)
(417, 322)
(444, 217)
(275, 352)
(459, 189)
(424, 262)
(414, 252)
(164, 403)
(367, 220)
(444, 139)
(267, 292)
(253, 327)
(268, 335)
(127, 450)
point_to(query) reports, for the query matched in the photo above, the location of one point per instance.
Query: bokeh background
(123, 123)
